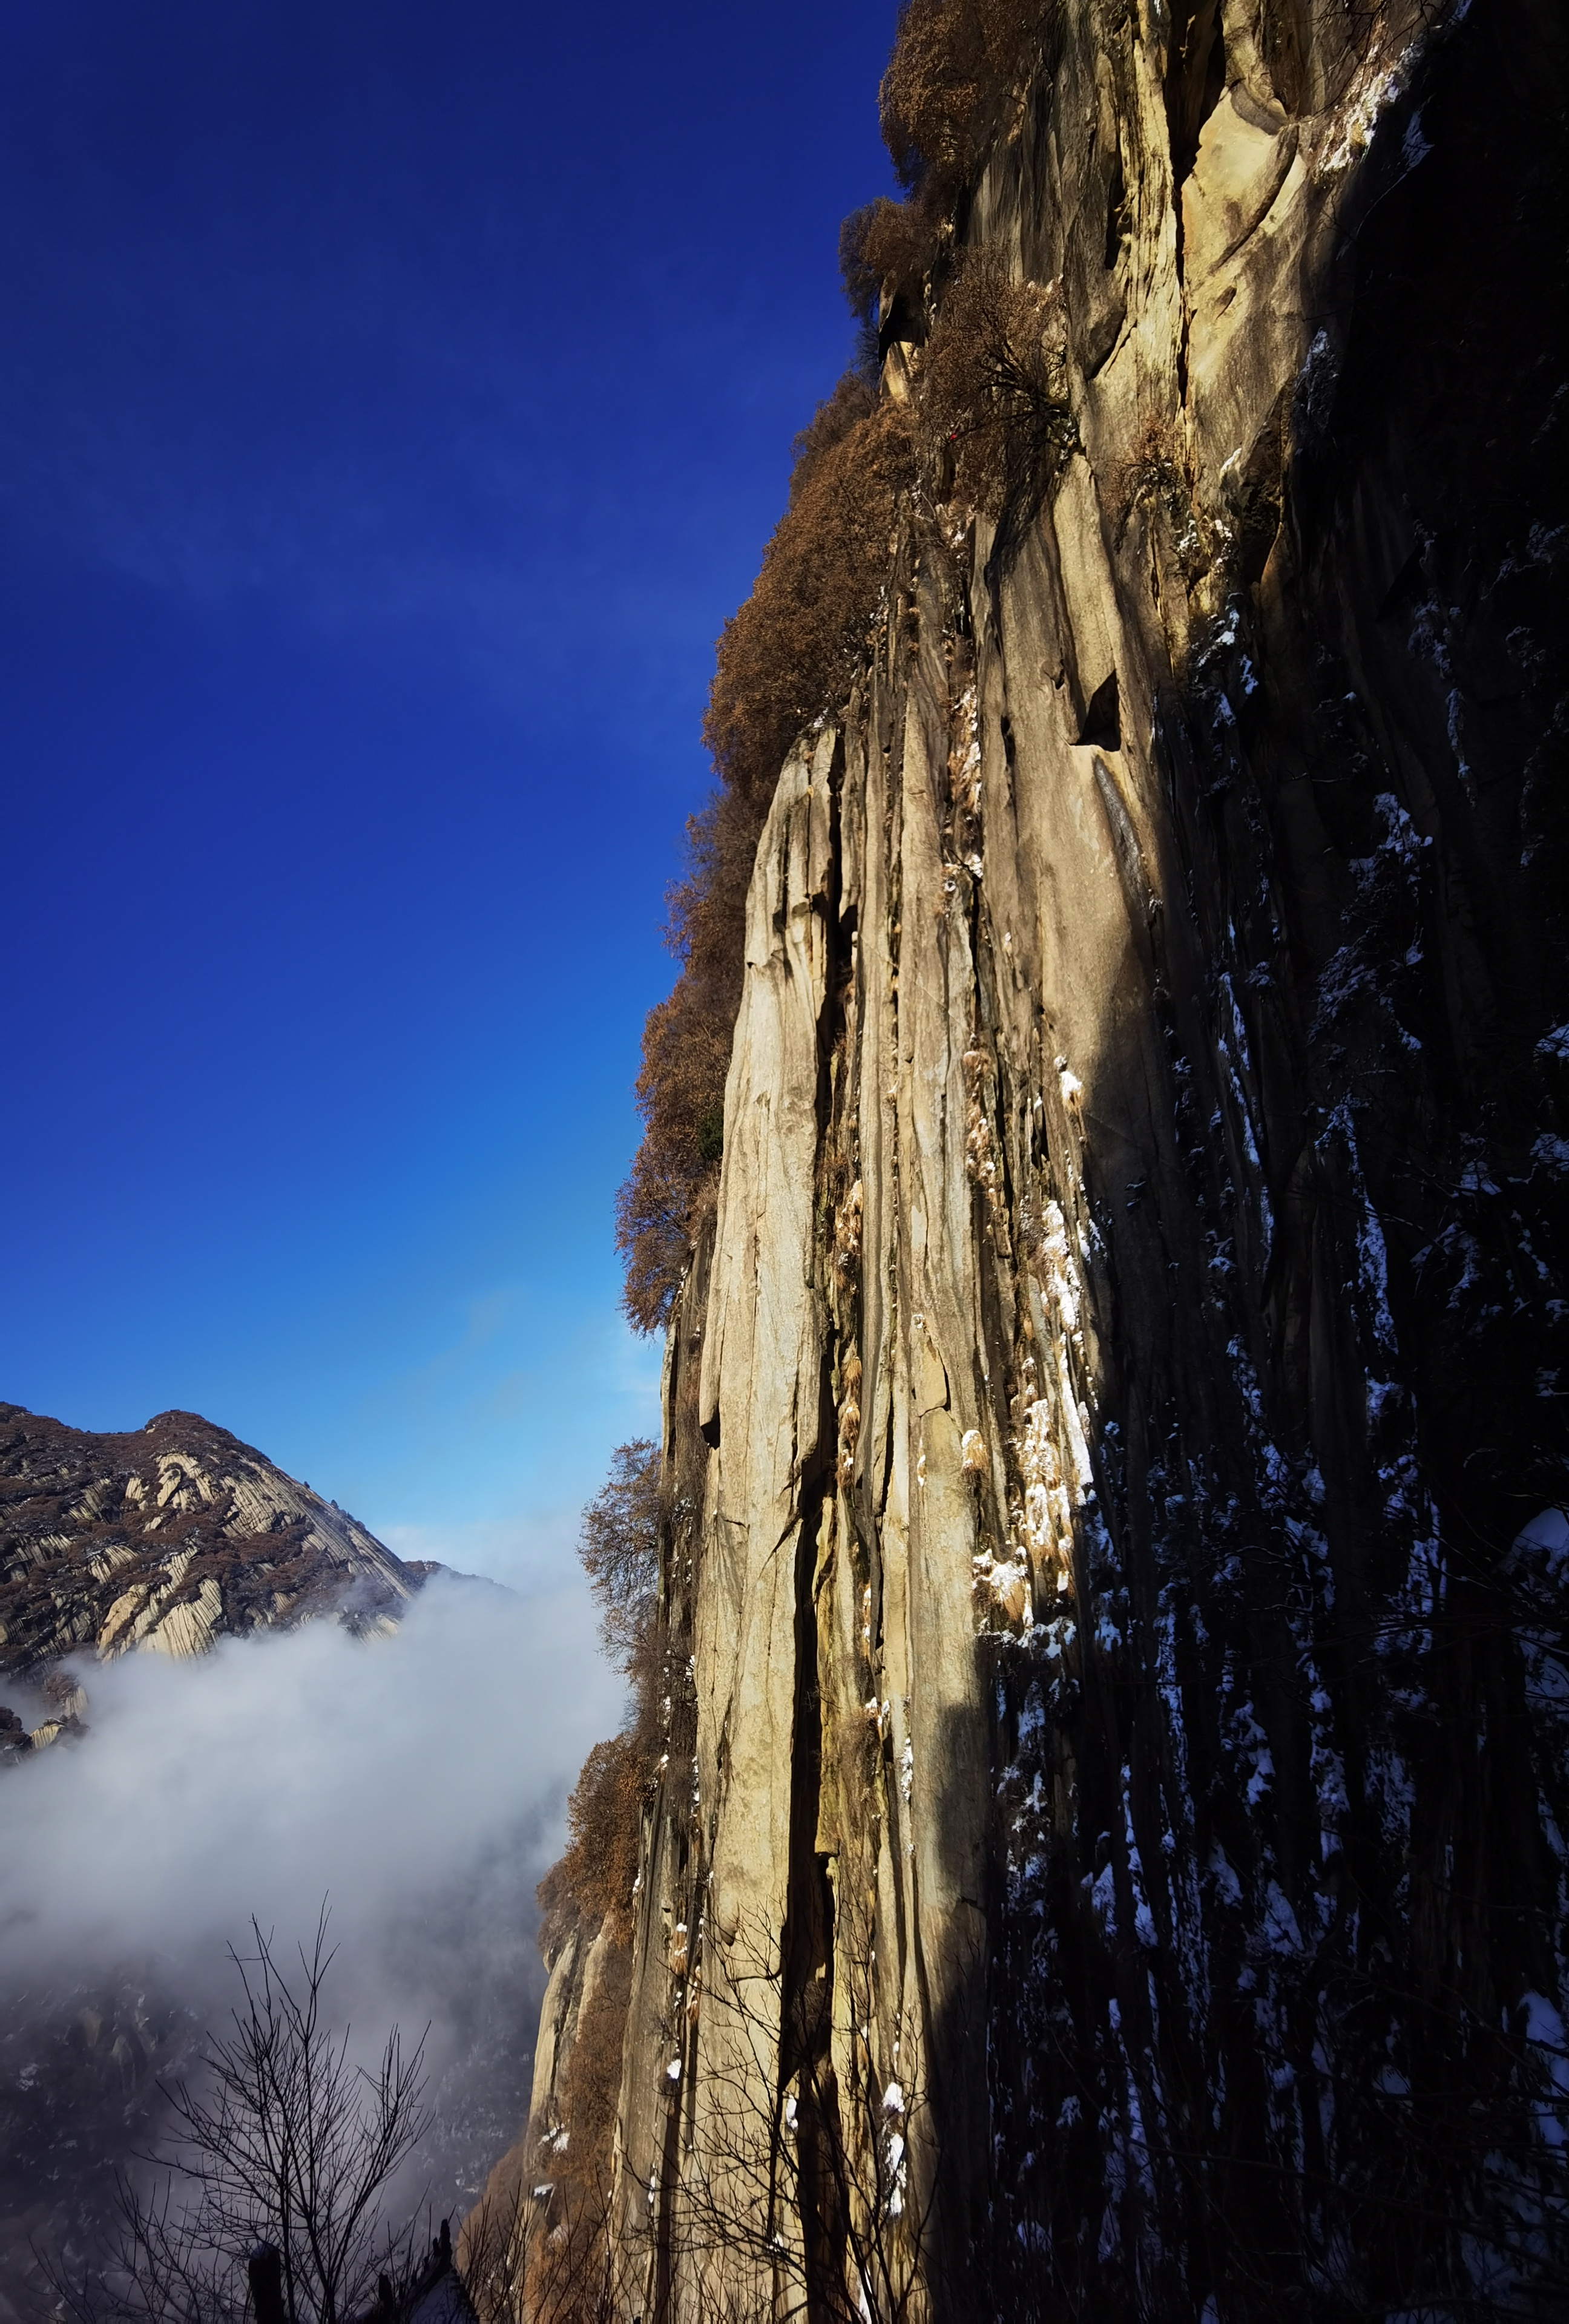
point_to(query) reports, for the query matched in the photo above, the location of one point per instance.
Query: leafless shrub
(288, 2144)
(784, 658)
(1153, 474)
(957, 66)
(1154, 477)
(654, 1206)
(619, 1545)
(996, 422)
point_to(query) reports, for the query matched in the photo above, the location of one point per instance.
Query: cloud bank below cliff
(417, 1782)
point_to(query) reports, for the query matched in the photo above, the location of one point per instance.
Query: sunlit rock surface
(1114, 1809)
(166, 1538)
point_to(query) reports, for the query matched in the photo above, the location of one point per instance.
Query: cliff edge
(1107, 1855)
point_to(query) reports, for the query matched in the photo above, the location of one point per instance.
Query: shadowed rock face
(167, 1538)
(1113, 1817)
(79, 2096)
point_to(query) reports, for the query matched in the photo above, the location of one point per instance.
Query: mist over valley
(411, 1772)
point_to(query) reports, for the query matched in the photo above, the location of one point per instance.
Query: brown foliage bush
(561, 2269)
(592, 1883)
(956, 65)
(996, 422)
(619, 1545)
(487, 2258)
(886, 245)
(786, 654)
(685, 1055)
(592, 2089)
(957, 68)
(567, 2262)
(783, 658)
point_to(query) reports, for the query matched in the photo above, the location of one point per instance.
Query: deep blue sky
(395, 396)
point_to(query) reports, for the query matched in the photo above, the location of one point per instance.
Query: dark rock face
(168, 1537)
(79, 2100)
(1117, 1424)
(1298, 1901)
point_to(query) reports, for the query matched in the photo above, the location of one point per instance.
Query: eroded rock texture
(167, 1538)
(1110, 1859)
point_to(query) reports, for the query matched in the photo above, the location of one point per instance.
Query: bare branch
(285, 2141)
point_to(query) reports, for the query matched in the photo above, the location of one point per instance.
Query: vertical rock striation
(1110, 1858)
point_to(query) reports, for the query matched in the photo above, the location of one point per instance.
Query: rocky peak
(168, 1537)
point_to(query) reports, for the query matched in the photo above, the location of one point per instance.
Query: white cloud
(418, 1780)
(521, 1552)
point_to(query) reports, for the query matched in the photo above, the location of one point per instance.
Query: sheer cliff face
(1109, 1858)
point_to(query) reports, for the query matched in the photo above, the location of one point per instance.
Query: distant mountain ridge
(170, 1537)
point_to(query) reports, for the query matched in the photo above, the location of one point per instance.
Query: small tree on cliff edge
(619, 1545)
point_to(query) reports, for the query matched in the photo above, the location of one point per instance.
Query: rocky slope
(1109, 1856)
(166, 1538)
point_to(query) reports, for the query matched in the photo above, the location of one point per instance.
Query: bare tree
(799, 2179)
(286, 2143)
(619, 1545)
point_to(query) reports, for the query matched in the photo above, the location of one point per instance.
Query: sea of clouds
(415, 1783)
